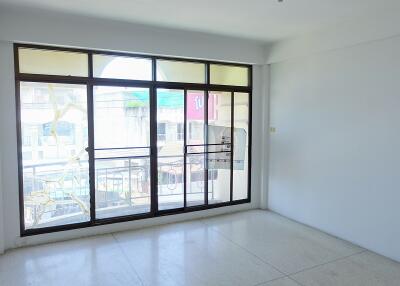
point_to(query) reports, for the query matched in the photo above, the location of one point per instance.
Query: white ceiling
(264, 20)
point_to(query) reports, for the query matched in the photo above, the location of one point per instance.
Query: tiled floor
(249, 248)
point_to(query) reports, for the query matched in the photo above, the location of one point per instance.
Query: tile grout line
(295, 281)
(127, 258)
(279, 278)
(310, 268)
(269, 281)
(276, 279)
(246, 250)
(328, 262)
(283, 273)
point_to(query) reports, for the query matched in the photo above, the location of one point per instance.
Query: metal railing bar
(121, 148)
(123, 157)
(208, 152)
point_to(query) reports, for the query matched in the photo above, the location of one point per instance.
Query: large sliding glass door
(195, 156)
(54, 137)
(219, 146)
(170, 142)
(122, 150)
(194, 140)
(241, 143)
(109, 137)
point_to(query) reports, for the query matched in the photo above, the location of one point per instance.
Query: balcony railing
(58, 192)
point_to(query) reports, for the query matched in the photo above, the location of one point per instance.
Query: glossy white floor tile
(364, 269)
(192, 254)
(94, 262)
(289, 246)
(281, 282)
(254, 248)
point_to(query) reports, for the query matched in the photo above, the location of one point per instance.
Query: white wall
(262, 131)
(8, 141)
(335, 155)
(1, 213)
(37, 26)
(345, 34)
(58, 29)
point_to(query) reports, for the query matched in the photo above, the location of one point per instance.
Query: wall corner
(265, 136)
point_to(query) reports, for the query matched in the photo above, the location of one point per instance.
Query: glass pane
(51, 62)
(219, 133)
(106, 66)
(241, 146)
(54, 134)
(170, 115)
(122, 187)
(195, 171)
(121, 133)
(219, 175)
(121, 117)
(195, 117)
(177, 71)
(107, 153)
(195, 164)
(170, 182)
(229, 75)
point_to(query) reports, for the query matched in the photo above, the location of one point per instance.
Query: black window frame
(153, 85)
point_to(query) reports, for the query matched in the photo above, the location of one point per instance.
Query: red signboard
(195, 106)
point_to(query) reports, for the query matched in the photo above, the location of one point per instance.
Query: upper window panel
(117, 67)
(178, 71)
(229, 75)
(52, 62)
